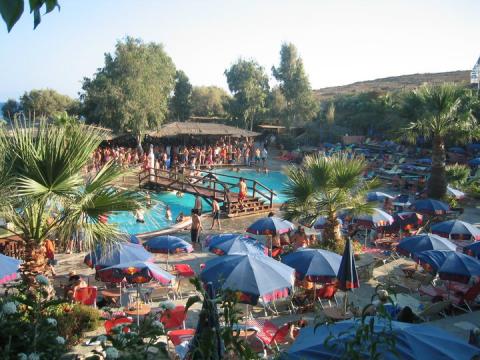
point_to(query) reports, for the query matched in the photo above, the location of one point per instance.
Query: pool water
(155, 216)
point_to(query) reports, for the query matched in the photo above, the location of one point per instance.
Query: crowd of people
(241, 152)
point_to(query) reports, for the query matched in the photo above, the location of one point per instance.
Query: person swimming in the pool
(180, 217)
(168, 213)
(140, 215)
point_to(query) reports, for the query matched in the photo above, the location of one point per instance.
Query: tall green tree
(44, 192)
(324, 186)
(441, 112)
(209, 101)
(44, 103)
(366, 113)
(12, 10)
(10, 109)
(276, 105)
(295, 86)
(181, 103)
(131, 92)
(248, 83)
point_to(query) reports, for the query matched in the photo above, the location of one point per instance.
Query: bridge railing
(223, 188)
(180, 181)
(256, 186)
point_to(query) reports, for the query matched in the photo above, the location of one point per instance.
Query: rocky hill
(394, 83)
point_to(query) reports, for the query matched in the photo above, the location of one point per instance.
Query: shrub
(26, 330)
(457, 175)
(74, 320)
(132, 341)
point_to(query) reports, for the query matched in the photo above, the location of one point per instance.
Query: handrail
(176, 180)
(265, 187)
(242, 177)
(212, 178)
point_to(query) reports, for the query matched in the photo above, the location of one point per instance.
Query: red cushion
(174, 318)
(110, 324)
(184, 270)
(179, 336)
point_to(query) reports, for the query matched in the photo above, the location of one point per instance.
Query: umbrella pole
(248, 318)
(138, 305)
(121, 294)
(345, 302)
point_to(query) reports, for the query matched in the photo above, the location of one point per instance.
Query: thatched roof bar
(200, 129)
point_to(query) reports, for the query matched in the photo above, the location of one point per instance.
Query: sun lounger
(327, 292)
(393, 171)
(459, 299)
(269, 334)
(435, 310)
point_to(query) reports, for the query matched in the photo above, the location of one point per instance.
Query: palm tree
(324, 186)
(44, 190)
(442, 112)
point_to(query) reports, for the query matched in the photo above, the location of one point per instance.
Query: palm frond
(43, 168)
(48, 159)
(299, 185)
(325, 186)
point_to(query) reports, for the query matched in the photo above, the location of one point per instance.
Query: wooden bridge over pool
(209, 186)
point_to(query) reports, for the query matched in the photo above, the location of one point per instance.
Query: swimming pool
(155, 216)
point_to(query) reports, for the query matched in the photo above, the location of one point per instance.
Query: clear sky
(340, 41)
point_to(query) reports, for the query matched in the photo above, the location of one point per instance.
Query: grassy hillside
(394, 83)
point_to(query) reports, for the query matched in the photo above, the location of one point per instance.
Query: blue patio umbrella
(473, 249)
(137, 272)
(167, 244)
(430, 207)
(208, 328)
(134, 239)
(8, 268)
(219, 237)
(451, 265)
(412, 342)
(473, 147)
(459, 267)
(347, 273)
(433, 258)
(121, 253)
(270, 225)
(314, 264)
(413, 245)
(378, 196)
(250, 276)
(456, 229)
(426, 161)
(377, 218)
(407, 219)
(321, 221)
(237, 245)
(456, 150)
(474, 162)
